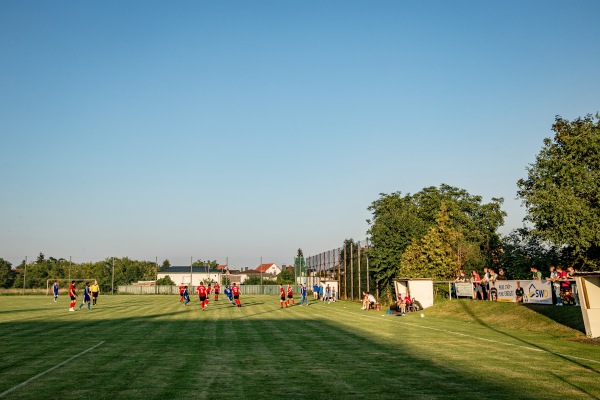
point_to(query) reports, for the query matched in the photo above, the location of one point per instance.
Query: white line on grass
(48, 370)
(480, 338)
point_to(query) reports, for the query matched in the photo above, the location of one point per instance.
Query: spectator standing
(476, 280)
(571, 276)
(316, 291)
(493, 292)
(501, 275)
(555, 279)
(485, 282)
(535, 274)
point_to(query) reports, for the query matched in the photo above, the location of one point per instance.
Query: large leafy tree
(394, 225)
(7, 275)
(435, 255)
(562, 190)
(400, 220)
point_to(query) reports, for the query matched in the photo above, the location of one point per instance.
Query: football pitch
(153, 347)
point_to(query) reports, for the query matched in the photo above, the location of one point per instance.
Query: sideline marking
(479, 338)
(48, 370)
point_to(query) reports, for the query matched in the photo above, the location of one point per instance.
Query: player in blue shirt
(303, 298)
(229, 294)
(55, 288)
(86, 296)
(186, 296)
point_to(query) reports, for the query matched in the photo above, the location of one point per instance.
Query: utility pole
(351, 270)
(113, 277)
(24, 275)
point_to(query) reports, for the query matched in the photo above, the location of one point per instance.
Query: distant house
(191, 276)
(268, 269)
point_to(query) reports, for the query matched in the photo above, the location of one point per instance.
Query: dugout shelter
(420, 289)
(588, 286)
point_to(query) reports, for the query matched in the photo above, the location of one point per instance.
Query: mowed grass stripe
(156, 348)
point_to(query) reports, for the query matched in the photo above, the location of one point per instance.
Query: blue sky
(234, 129)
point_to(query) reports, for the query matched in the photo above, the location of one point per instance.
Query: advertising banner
(464, 289)
(537, 292)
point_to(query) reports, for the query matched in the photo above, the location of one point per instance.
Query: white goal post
(68, 280)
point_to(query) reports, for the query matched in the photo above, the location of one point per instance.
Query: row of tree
(109, 273)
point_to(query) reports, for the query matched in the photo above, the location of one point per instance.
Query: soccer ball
(422, 315)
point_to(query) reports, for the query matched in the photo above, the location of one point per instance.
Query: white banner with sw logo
(538, 292)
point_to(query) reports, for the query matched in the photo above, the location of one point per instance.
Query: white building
(191, 276)
(268, 269)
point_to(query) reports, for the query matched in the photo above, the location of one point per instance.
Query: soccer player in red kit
(217, 289)
(236, 295)
(281, 296)
(208, 292)
(202, 294)
(73, 296)
(290, 295)
(181, 290)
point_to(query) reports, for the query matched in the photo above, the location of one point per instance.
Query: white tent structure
(420, 289)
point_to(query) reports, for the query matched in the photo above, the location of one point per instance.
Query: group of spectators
(326, 293)
(563, 283)
(483, 287)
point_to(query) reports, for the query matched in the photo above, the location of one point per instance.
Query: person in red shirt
(290, 295)
(281, 296)
(181, 290)
(236, 295)
(407, 302)
(202, 294)
(477, 288)
(73, 296)
(217, 289)
(208, 292)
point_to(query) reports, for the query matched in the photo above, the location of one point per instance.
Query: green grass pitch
(152, 347)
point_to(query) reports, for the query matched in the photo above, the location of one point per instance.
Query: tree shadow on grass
(569, 316)
(565, 359)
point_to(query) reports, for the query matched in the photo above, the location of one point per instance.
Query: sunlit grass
(154, 347)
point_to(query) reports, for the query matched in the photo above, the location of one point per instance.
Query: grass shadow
(569, 316)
